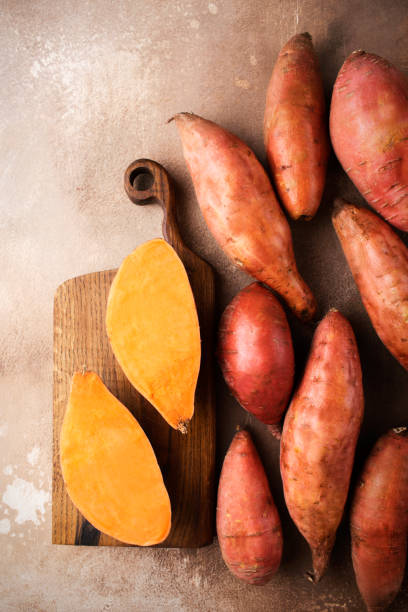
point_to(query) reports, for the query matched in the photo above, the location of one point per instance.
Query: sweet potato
(255, 352)
(248, 524)
(378, 260)
(379, 521)
(241, 209)
(152, 325)
(319, 437)
(109, 467)
(369, 132)
(295, 129)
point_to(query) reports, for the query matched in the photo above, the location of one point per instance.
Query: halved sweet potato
(109, 467)
(153, 329)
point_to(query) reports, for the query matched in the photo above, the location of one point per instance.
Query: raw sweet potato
(295, 129)
(109, 467)
(369, 132)
(248, 524)
(378, 260)
(152, 324)
(319, 437)
(241, 209)
(255, 352)
(379, 521)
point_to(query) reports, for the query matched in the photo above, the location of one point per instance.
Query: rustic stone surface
(86, 88)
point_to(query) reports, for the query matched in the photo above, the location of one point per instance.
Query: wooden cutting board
(80, 341)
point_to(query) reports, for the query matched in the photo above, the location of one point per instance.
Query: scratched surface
(86, 87)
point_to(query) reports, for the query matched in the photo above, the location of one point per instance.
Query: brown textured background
(86, 87)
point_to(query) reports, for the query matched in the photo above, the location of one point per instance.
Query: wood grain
(80, 341)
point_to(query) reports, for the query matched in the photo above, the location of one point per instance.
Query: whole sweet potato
(378, 260)
(379, 521)
(369, 132)
(241, 209)
(319, 437)
(295, 130)
(255, 352)
(248, 525)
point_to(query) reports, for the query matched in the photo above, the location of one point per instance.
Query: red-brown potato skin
(369, 132)
(295, 129)
(378, 260)
(241, 209)
(255, 352)
(248, 524)
(319, 437)
(379, 521)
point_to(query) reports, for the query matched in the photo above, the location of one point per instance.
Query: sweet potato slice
(109, 467)
(153, 329)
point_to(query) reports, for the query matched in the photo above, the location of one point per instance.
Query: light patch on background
(242, 83)
(27, 500)
(4, 526)
(33, 455)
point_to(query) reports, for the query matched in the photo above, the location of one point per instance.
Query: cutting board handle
(147, 182)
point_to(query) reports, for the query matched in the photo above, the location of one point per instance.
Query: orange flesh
(109, 467)
(153, 329)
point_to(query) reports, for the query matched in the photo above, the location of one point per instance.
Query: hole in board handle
(141, 179)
